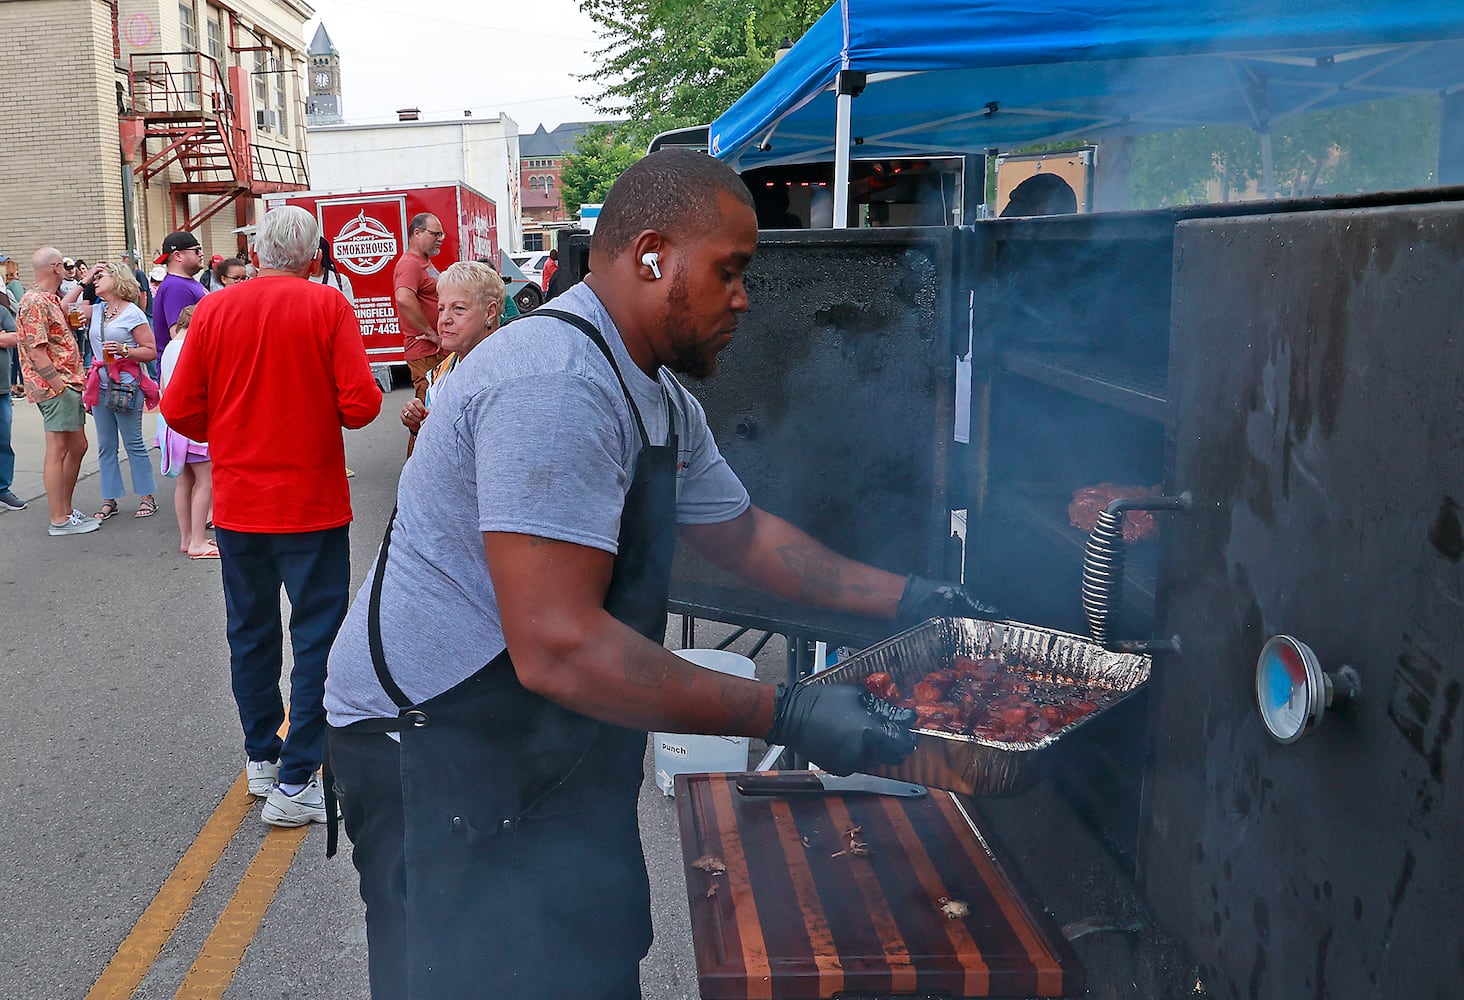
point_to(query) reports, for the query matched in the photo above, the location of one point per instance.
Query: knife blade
(819, 783)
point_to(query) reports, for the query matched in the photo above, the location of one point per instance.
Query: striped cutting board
(791, 917)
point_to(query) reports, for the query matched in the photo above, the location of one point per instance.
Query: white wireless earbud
(652, 260)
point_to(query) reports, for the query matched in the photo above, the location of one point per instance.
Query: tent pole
(842, 140)
(848, 85)
(1268, 166)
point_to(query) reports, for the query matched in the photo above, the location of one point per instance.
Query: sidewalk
(28, 438)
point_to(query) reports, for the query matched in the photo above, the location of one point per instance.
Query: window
(281, 100)
(215, 31)
(533, 241)
(188, 27)
(261, 80)
(188, 35)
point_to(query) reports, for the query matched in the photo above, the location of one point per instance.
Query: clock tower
(323, 106)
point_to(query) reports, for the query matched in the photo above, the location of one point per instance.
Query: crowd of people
(487, 773)
(91, 340)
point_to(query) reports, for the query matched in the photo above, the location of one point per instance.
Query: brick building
(540, 157)
(130, 118)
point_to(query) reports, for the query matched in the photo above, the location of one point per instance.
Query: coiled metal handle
(1103, 562)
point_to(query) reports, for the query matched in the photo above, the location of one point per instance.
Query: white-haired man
(271, 371)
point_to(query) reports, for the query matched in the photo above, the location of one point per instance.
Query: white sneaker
(295, 810)
(76, 524)
(262, 775)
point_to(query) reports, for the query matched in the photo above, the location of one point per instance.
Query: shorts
(420, 368)
(63, 413)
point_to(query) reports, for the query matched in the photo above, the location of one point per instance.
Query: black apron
(524, 872)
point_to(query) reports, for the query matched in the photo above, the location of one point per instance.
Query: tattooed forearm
(819, 575)
(642, 670)
(742, 702)
(646, 667)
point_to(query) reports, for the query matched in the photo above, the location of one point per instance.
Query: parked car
(525, 290)
(531, 262)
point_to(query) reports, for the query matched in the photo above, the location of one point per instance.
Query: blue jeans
(7, 453)
(315, 569)
(129, 425)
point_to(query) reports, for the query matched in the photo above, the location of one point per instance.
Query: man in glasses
(415, 282)
(182, 255)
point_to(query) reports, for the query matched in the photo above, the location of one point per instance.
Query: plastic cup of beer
(73, 315)
(111, 351)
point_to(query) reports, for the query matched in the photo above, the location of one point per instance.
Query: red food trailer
(367, 231)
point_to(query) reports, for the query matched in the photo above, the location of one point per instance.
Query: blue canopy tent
(950, 76)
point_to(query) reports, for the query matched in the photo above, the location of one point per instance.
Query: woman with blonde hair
(470, 297)
(15, 291)
(117, 386)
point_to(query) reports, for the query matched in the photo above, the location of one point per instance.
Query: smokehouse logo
(364, 245)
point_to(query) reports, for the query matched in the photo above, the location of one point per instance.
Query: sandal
(109, 509)
(146, 507)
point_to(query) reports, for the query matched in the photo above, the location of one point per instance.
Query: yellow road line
(220, 955)
(136, 955)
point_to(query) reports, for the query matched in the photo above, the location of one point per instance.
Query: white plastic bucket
(678, 753)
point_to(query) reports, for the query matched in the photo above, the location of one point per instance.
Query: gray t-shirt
(530, 433)
(119, 328)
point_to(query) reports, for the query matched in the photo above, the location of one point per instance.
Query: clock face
(322, 79)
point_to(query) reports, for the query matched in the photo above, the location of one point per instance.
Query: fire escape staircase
(180, 101)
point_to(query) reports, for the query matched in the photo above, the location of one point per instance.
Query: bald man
(50, 363)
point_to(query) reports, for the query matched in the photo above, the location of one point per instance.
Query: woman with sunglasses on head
(117, 386)
(14, 291)
(469, 308)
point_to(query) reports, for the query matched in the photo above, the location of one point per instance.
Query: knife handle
(780, 783)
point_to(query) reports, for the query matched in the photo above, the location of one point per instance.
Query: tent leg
(1451, 139)
(1268, 166)
(842, 140)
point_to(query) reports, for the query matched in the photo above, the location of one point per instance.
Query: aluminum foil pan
(969, 764)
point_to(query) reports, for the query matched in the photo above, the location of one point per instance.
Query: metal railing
(275, 165)
(178, 83)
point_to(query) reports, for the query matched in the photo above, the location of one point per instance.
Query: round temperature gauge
(1288, 679)
(1292, 690)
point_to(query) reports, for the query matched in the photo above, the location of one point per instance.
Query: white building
(481, 152)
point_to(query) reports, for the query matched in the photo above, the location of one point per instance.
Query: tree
(1373, 146)
(673, 63)
(599, 157)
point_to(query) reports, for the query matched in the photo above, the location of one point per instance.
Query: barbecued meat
(1090, 501)
(984, 697)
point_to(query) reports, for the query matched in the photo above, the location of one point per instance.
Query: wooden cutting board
(788, 919)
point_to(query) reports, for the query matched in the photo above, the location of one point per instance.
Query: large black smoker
(1298, 368)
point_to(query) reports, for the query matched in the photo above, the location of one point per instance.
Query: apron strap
(373, 624)
(383, 677)
(332, 805)
(588, 329)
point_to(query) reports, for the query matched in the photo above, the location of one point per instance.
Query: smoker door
(1317, 415)
(835, 405)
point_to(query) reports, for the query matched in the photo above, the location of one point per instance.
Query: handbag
(119, 397)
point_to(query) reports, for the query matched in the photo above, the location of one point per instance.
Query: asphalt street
(123, 748)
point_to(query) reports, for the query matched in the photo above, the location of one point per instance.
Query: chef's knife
(819, 783)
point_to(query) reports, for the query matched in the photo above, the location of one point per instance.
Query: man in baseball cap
(182, 240)
(183, 255)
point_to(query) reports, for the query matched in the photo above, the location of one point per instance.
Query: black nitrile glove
(924, 598)
(840, 727)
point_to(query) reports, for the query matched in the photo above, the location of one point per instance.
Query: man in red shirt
(415, 282)
(271, 371)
